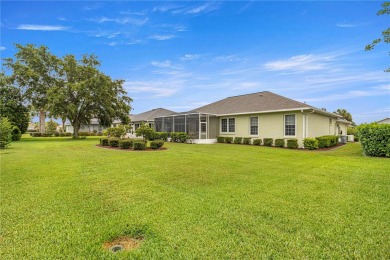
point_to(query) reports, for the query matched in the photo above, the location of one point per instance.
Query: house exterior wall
(320, 125)
(213, 127)
(85, 128)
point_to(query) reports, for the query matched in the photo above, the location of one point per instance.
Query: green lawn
(63, 199)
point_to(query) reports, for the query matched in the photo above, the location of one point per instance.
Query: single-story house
(384, 121)
(258, 115)
(148, 117)
(91, 127)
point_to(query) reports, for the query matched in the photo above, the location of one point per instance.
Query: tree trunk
(76, 128)
(63, 123)
(42, 117)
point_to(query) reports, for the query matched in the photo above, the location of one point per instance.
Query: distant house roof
(150, 115)
(384, 121)
(257, 102)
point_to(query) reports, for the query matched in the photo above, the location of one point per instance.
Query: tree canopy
(11, 104)
(344, 113)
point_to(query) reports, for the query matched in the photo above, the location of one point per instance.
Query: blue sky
(182, 55)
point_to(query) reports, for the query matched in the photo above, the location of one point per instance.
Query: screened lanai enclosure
(202, 127)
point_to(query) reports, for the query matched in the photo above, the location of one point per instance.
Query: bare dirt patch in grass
(124, 243)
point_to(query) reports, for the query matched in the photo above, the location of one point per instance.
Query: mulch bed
(301, 149)
(131, 150)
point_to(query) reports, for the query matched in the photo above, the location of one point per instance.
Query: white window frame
(284, 125)
(250, 126)
(227, 122)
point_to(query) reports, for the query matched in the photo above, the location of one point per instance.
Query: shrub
(46, 134)
(84, 134)
(5, 132)
(220, 139)
(292, 143)
(257, 142)
(268, 141)
(279, 142)
(36, 134)
(156, 144)
(246, 140)
(310, 143)
(68, 134)
(238, 140)
(118, 131)
(375, 139)
(163, 136)
(139, 145)
(16, 134)
(50, 127)
(114, 142)
(99, 134)
(125, 144)
(104, 142)
(179, 137)
(327, 141)
(228, 140)
(145, 131)
(56, 133)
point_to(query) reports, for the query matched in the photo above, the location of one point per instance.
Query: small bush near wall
(139, 145)
(310, 143)
(156, 144)
(375, 139)
(327, 141)
(163, 136)
(257, 142)
(46, 134)
(292, 143)
(56, 134)
(125, 144)
(268, 141)
(179, 137)
(113, 142)
(238, 140)
(228, 140)
(279, 142)
(246, 140)
(220, 139)
(104, 142)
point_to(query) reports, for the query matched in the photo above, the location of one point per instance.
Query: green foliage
(220, 139)
(246, 140)
(268, 141)
(327, 141)
(279, 142)
(310, 143)
(351, 131)
(156, 144)
(113, 142)
(117, 132)
(257, 141)
(145, 131)
(104, 142)
(344, 113)
(292, 143)
(162, 135)
(228, 140)
(126, 144)
(51, 127)
(238, 140)
(11, 104)
(375, 139)
(139, 145)
(179, 137)
(5, 132)
(16, 134)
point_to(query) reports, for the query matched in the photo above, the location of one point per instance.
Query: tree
(145, 131)
(51, 127)
(344, 113)
(83, 93)
(11, 104)
(35, 70)
(5, 132)
(385, 34)
(118, 131)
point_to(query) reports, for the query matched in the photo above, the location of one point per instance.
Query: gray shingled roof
(256, 102)
(151, 114)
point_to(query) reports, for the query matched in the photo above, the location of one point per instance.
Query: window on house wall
(224, 126)
(254, 125)
(228, 125)
(289, 125)
(232, 125)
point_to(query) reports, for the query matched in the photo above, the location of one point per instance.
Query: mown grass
(63, 199)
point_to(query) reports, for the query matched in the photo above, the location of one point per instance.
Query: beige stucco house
(257, 115)
(384, 121)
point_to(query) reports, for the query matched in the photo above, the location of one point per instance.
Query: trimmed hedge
(246, 140)
(139, 145)
(268, 141)
(375, 139)
(279, 142)
(238, 140)
(292, 143)
(159, 135)
(104, 142)
(126, 144)
(113, 142)
(310, 143)
(179, 137)
(257, 142)
(327, 141)
(220, 139)
(228, 140)
(16, 134)
(156, 144)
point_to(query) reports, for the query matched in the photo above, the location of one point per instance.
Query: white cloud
(162, 64)
(154, 89)
(190, 57)
(2, 48)
(35, 27)
(347, 25)
(62, 19)
(204, 8)
(126, 20)
(306, 62)
(228, 58)
(162, 37)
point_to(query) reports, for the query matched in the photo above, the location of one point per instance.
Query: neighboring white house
(384, 121)
(257, 115)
